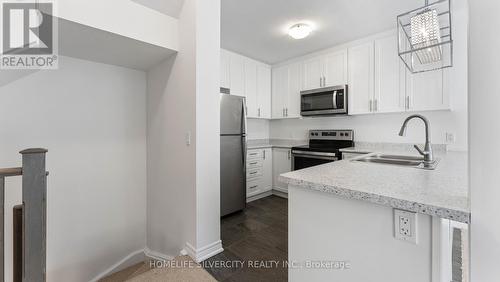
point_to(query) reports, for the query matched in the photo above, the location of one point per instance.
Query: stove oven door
(305, 159)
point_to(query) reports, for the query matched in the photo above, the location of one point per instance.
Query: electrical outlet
(450, 138)
(405, 226)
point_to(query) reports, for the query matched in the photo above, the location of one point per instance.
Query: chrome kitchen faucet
(427, 152)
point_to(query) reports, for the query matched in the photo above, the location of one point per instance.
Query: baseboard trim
(205, 252)
(129, 260)
(156, 255)
(259, 196)
(280, 194)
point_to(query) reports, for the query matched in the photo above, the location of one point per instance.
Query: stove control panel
(331, 135)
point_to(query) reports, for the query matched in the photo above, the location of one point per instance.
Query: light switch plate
(405, 226)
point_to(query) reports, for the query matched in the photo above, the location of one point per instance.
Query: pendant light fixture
(424, 37)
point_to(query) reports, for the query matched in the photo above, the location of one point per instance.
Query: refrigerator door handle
(243, 136)
(244, 119)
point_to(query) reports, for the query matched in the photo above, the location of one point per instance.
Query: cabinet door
(280, 91)
(427, 90)
(264, 91)
(267, 168)
(389, 77)
(281, 163)
(237, 74)
(312, 73)
(251, 88)
(361, 78)
(335, 68)
(292, 109)
(224, 69)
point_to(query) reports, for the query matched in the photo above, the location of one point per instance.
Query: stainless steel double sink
(399, 160)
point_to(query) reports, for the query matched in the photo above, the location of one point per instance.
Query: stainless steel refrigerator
(232, 153)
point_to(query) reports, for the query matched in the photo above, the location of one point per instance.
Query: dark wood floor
(257, 234)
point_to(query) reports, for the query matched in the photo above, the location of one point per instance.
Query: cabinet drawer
(251, 164)
(253, 173)
(254, 154)
(254, 187)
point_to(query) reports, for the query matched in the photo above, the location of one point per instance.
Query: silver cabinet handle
(289, 154)
(320, 81)
(258, 112)
(286, 112)
(253, 187)
(407, 102)
(375, 105)
(283, 112)
(371, 105)
(264, 154)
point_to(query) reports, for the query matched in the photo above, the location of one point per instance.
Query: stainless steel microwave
(324, 101)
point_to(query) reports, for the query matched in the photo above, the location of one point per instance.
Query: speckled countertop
(276, 143)
(442, 192)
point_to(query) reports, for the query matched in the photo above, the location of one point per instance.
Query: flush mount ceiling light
(299, 31)
(424, 36)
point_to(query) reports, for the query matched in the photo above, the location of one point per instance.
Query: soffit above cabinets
(168, 7)
(258, 28)
(136, 36)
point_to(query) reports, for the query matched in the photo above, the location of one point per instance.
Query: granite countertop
(273, 143)
(442, 192)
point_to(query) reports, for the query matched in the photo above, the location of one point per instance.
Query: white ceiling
(168, 7)
(257, 28)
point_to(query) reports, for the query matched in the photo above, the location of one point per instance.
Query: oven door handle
(315, 155)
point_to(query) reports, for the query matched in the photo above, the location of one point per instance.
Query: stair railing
(34, 221)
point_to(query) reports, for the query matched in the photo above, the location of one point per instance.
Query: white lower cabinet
(282, 162)
(259, 171)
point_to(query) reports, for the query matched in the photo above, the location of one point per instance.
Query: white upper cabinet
(335, 68)
(312, 73)
(251, 88)
(279, 91)
(250, 79)
(325, 70)
(286, 82)
(257, 89)
(390, 74)
(427, 91)
(292, 107)
(237, 74)
(361, 78)
(263, 91)
(224, 69)
(377, 79)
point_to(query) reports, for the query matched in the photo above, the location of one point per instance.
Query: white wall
(183, 99)
(207, 127)
(130, 19)
(484, 133)
(257, 128)
(379, 128)
(171, 110)
(92, 119)
(384, 127)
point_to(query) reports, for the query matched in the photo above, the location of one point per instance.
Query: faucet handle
(419, 150)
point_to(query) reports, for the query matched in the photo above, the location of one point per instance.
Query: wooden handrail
(15, 171)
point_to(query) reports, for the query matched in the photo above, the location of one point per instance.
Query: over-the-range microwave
(324, 101)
